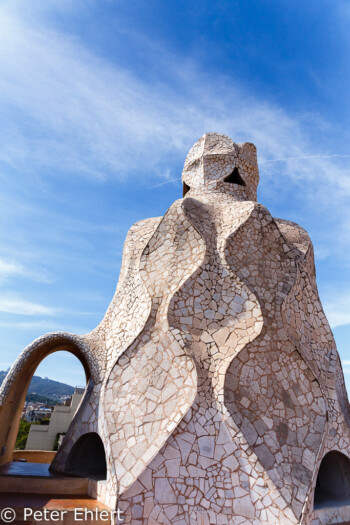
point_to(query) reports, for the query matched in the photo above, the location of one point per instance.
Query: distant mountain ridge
(45, 387)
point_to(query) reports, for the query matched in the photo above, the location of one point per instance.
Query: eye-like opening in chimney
(185, 189)
(235, 178)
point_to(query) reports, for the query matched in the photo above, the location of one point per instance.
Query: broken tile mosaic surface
(215, 384)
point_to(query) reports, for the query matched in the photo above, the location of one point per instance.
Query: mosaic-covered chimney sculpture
(215, 388)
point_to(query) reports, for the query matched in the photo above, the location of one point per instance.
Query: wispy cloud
(9, 269)
(92, 116)
(287, 159)
(45, 326)
(337, 308)
(23, 307)
(71, 111)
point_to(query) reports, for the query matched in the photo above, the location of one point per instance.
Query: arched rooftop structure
(14, 389)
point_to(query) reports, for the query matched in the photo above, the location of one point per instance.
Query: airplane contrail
(162, 183)
(304, 157)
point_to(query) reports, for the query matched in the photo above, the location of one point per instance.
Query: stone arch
(333, 480)
(87, 458)
(14, 389)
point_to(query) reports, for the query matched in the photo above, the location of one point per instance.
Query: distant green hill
(45, 387)
(35, 398)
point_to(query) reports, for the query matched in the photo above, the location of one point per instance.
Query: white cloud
(46, 326)
(23, 307)
(85, 114)
(9, 269)
(20, 306)
(69, 108)
(337, 309)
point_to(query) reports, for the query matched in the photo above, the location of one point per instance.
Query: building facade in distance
(45, 437)
(35, 415)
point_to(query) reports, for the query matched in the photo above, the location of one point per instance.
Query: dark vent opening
(333, 481)
(186, 189)
(235, 178)
(87, 458)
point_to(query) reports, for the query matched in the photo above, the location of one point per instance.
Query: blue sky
(100, 102)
